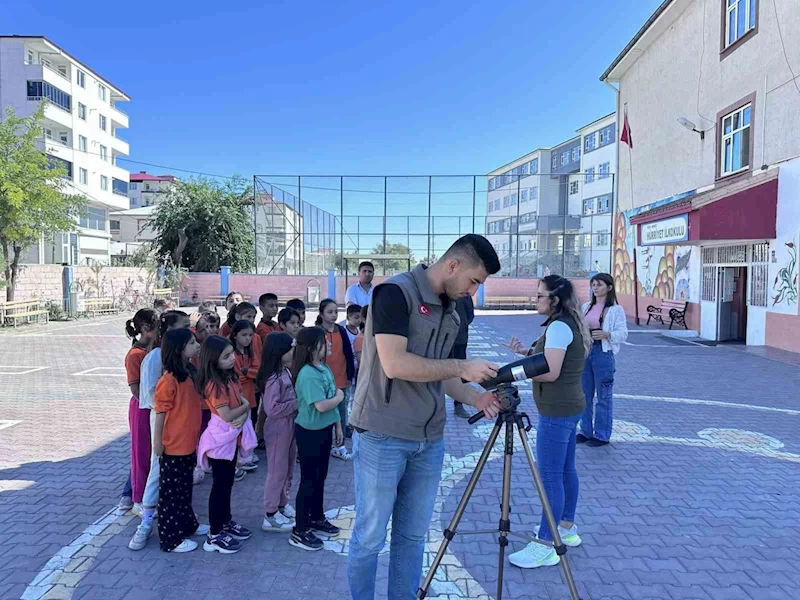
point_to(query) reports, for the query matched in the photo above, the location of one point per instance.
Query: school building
(709, 185)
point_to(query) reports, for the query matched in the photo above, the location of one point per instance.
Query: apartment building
(708, 190)
(550, 210)
(148, 190)
(81, 129)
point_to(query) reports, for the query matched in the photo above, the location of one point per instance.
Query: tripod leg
(558, 545)
(450, 532)
(505, 507)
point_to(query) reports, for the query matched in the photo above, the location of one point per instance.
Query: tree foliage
(203, 225)
(393, 266)
(34, 198)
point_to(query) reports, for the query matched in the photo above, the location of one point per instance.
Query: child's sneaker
(569, 536)
(288, 512)
(239, 474)
(324, 528)
(222, 543)
(249, 466)
(140, 537)
(305, 541)
(202, 529)
(236, 531)
(186, 545)
(125, 503)
(137, 509)
(534, 555)
(340, 453)
(198, 475)
(277, 522)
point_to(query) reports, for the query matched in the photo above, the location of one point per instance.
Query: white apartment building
(148, 190)
(81, 129)
(709, 190)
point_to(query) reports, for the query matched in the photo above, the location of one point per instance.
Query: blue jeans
(598, 378)
(555, 455)
(344, 407)
(398, 479)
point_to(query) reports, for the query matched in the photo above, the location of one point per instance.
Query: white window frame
(83, 176)
(565, 158)
(591, 142)
(81, 111)
(574, 187)
(523, 195)
(576, 154)
(83, 143)
(727, 140)
(604, 171)
(607, 136)
(134, 186)
(732, 10)
(102, 122)
(534, 194)
(80, 78)
(589, 177)
(101, 92)
(103, 153)
(104, 183)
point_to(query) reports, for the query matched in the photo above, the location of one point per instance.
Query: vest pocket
(388, 396)
(430, 341)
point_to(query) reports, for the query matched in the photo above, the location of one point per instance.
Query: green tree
(33, 197)
(399, 265)
(203, 225)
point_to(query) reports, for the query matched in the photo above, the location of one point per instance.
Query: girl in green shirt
(316, 426)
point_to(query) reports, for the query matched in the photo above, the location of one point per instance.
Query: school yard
(698, 496)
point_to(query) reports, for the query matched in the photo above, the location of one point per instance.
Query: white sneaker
(140, 537)
(534, 555)
(247, 467)
(202, 529)
(569, 536)
(239, 474)
(289, 512)
(125, 503)
(254, 458)
(341, 453)
(277, 522)
(137, 509)
(198, 475)
(186, 545)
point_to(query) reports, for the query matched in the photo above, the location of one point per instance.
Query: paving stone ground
(698, 496)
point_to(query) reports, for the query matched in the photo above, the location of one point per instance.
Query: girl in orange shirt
(223, 396)
(232, 300)
(248, 360)
(177, 427)
(143, 330)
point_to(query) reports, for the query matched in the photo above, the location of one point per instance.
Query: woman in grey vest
(560, 401)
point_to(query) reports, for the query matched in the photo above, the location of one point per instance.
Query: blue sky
(344, 87)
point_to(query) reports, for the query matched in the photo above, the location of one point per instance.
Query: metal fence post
(519, 201)
(385, 211)
(255, 226)
(428, 258)
(474, 192)
(341, 223)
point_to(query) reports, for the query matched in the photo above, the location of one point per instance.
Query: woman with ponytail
(559, 398)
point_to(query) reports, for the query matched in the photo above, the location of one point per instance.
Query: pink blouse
(594, 315)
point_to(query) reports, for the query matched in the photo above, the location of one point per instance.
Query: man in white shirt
(361, 293)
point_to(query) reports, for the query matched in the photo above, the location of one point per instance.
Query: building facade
(708, 191)
(82, 125)
(148, 190)
(550, 210)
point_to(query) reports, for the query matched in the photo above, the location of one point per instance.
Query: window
(103, 153)
(740, 19)
(603, 239)
(81, 111)
(505, 201)
(62, 70)
(94, 218)
(104, 183)
(576, 154)
(524, 168)
(84, 176)
(81, 78)
(31, 57)
(555, 161)
(605, 136)
(82, 143)
(491, 184)
(134, 185)
(735, 145)
(590, 175)
(574, 187)
(523, 196)
(63, 137)
(587, 240)
(534, 193)
(590, 142)
(119, 187)
(38, 90)
(534, 166)
(114, 225)
(605, 171)
(55, 161)
(101, 92)
(604, 203)
(588, 206)
(103, 123)
(565, 158)
(513, 199)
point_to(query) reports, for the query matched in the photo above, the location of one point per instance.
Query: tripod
(509, 397)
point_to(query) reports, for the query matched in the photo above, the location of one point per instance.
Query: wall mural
(662, 271)
(784, 286)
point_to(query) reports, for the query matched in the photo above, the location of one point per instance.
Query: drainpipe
(615, 199)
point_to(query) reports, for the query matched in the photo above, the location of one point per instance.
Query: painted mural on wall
(784, 286)
(662, 271)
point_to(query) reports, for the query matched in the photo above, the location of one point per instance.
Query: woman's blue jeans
(598, 380)
(555, 455)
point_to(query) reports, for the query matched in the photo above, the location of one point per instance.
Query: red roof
(143, 176)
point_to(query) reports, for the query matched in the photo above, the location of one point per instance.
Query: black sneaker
(305, 541)
(324, 528)
(581, 439)
(222, 542)
(236, 531)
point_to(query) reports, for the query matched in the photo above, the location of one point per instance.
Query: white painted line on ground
(72, 335)
(19, 369)
(104, 372)
(666, 345)
(786, 411)
(5, 424)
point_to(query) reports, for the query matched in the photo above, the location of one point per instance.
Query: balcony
(119, 145)
(62, 71)
(119, 117)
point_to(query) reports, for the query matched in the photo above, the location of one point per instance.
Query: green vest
(564, 396)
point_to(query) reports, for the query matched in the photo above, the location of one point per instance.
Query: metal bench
(26, 310)
(100, 306)
(168, 293)
(512, 301)
(674, 309)
(221, 299)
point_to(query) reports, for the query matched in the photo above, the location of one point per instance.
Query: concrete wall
(662, 85)
(46, 282)
(37, 281)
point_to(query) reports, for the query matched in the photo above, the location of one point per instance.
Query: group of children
(206, 394)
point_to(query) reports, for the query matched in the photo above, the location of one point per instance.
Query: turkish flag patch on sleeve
(423, 310)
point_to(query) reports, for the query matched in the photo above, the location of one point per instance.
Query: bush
(55, 309)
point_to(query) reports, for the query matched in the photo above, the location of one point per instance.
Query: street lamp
(691, 127)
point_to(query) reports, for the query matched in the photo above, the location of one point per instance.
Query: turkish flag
(626, 136)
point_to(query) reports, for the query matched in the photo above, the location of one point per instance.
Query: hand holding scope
(525, 368)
